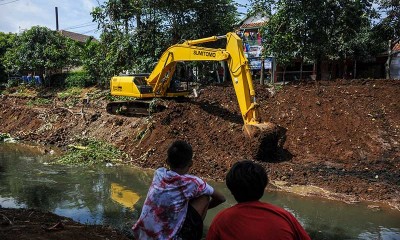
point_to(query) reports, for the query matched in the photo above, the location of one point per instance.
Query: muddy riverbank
(33, 224)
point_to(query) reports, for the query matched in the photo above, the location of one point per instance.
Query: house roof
(253, 22)
(76, 36)
(252, 25)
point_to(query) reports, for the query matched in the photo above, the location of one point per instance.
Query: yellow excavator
(157, 83)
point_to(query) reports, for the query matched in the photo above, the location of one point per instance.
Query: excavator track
(133, 108)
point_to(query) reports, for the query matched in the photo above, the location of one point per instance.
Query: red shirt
(256, 220)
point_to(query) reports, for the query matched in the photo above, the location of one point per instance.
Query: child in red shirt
(251, 219)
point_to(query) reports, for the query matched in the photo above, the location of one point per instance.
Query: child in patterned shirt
(177, 202)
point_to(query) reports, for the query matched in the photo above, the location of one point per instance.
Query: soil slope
(342, 136)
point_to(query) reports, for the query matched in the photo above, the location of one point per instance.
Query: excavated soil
(342, 136)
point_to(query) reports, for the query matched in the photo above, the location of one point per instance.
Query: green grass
(278, 87)
(39, 102)
(89, 152)
(99, 94)
(70, 92)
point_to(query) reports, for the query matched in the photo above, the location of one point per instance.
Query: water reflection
(115, 196)
(124, 196)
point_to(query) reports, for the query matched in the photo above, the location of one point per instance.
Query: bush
(13, 82)
(78, 79)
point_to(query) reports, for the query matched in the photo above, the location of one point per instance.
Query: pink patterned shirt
(166, 204)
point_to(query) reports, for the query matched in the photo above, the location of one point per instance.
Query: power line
(9, 2)
(89, 31)
(80, 26)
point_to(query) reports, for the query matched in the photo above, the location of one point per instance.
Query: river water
(114, 196)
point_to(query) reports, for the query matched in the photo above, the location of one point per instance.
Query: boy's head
(180, 154)
(246, 181)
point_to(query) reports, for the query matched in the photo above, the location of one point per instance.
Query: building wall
(395, 66)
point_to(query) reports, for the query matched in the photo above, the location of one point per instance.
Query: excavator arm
(161, 76)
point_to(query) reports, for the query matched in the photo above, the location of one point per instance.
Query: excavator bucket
(266, 140)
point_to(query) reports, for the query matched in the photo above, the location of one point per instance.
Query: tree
(38, 50)
(116, 19)
(314, 31)
(391, 20)
(387, 31)
(192, 19)
(6, 42)
(91, 57)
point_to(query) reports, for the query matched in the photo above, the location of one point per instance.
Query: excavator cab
(137, 87)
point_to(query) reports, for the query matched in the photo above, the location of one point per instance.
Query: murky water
(115, 195)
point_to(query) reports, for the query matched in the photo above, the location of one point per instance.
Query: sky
(73, 15)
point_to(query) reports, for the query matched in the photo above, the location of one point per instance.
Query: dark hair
(247, 181)
(180, 154)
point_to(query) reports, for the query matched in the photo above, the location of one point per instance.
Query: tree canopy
(39, 49)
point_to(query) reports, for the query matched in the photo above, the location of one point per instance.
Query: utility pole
(262, 71)
(389, 59)
(56, 18)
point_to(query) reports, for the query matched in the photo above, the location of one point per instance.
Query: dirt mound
(211, 123)
(342, 136)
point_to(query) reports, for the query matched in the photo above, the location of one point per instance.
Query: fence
(292, 76)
